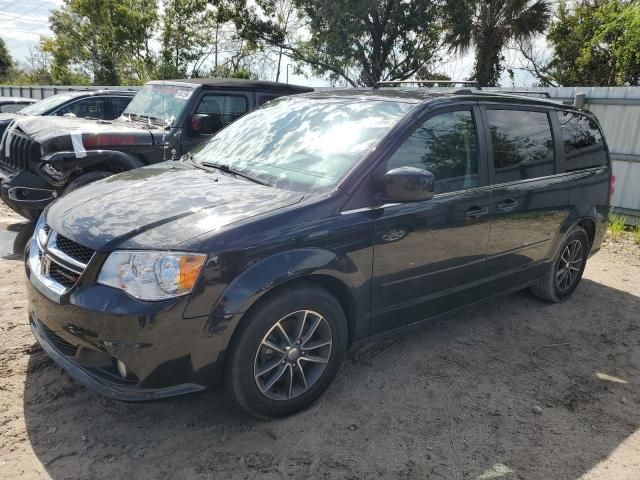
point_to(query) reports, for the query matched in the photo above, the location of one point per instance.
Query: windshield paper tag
(183, 94)
(78, 147)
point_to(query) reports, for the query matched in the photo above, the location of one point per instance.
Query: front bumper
(87, 331)
(25, 192)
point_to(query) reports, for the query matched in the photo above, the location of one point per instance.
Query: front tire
(288, 351)
(86, 179)
(566, 271)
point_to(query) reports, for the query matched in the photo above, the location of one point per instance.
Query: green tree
(357, 41)
(595, 44)
(6, 62)
(105, 39)
(488, 27)
(199, 39)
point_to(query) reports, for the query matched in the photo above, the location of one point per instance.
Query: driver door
(430, 256)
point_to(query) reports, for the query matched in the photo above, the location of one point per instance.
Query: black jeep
(42, 158)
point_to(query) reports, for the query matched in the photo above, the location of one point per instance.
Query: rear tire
(567, 268)
(86, 179)
(290, 382)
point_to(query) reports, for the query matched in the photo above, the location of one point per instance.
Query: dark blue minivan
(309, 226)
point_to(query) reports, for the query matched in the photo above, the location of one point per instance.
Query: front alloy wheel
(293, 355)
(287, 350)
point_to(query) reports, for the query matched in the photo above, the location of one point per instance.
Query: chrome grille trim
(52, 247)
(45, 252)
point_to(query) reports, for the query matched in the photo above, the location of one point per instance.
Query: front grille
(63, 276)
(58, 342)
(19, 149)
(73, 249)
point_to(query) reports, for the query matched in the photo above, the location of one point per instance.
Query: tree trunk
(279, 61)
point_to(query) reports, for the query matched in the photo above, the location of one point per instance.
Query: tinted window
(446, 146)
(304, 144)
(118, 104)
(582, 140)
(86, 108)
(226, 108)
(11, 107)
(266, 98)
(48, 104)
(522, 144)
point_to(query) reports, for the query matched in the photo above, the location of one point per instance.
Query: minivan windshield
(158, 102)
(43, 106)
(302, 143)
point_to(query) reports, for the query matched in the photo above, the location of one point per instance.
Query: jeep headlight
(149, 275)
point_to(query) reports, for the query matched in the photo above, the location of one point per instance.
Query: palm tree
(489, 26)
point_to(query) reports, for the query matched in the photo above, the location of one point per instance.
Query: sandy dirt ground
(508, 389)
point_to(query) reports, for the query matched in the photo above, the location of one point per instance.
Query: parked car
(13, 104)
(307, 227)
(45, 158)
(98, 104)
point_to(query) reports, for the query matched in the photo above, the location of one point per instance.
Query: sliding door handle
(507, 205)
(475, 212)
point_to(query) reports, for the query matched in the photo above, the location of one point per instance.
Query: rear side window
(582, 141)
(445, 145)
(522, 145)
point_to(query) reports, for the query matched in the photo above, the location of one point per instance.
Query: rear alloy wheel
(287, 351)
(570, 265)
(565, 272)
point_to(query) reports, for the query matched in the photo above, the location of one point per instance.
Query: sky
(22, 22)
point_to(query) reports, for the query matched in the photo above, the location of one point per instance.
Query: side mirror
(205, 123)
(69, 114)
(408, 184)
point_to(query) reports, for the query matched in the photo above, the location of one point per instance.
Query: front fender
(58, 167)
(283, 267)
(276, 270)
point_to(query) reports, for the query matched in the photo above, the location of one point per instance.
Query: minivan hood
(160, 207)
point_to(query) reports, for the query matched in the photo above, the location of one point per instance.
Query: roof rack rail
(428, 83)
(531, 93)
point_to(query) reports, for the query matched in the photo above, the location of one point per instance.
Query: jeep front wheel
(86, 179)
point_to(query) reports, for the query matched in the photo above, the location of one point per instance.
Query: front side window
(303, 143)
(522, 144)
(446, 146)
(582, 140)
(266, 98)
(222, 109)
(87, 108)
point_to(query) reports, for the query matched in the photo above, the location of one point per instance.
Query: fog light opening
(122, 369)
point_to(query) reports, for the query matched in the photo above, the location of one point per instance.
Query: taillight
(612, 187)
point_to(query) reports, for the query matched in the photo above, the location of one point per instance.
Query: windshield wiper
(232, 171)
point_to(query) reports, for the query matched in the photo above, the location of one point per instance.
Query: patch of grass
(616, 225)
(635, 232)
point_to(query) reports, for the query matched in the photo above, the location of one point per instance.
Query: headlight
(152, 275)
(39, 233)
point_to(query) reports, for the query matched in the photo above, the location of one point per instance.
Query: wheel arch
(336, 287)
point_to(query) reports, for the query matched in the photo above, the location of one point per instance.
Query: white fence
(618, 109)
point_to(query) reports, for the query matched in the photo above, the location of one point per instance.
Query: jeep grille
(18, 150)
